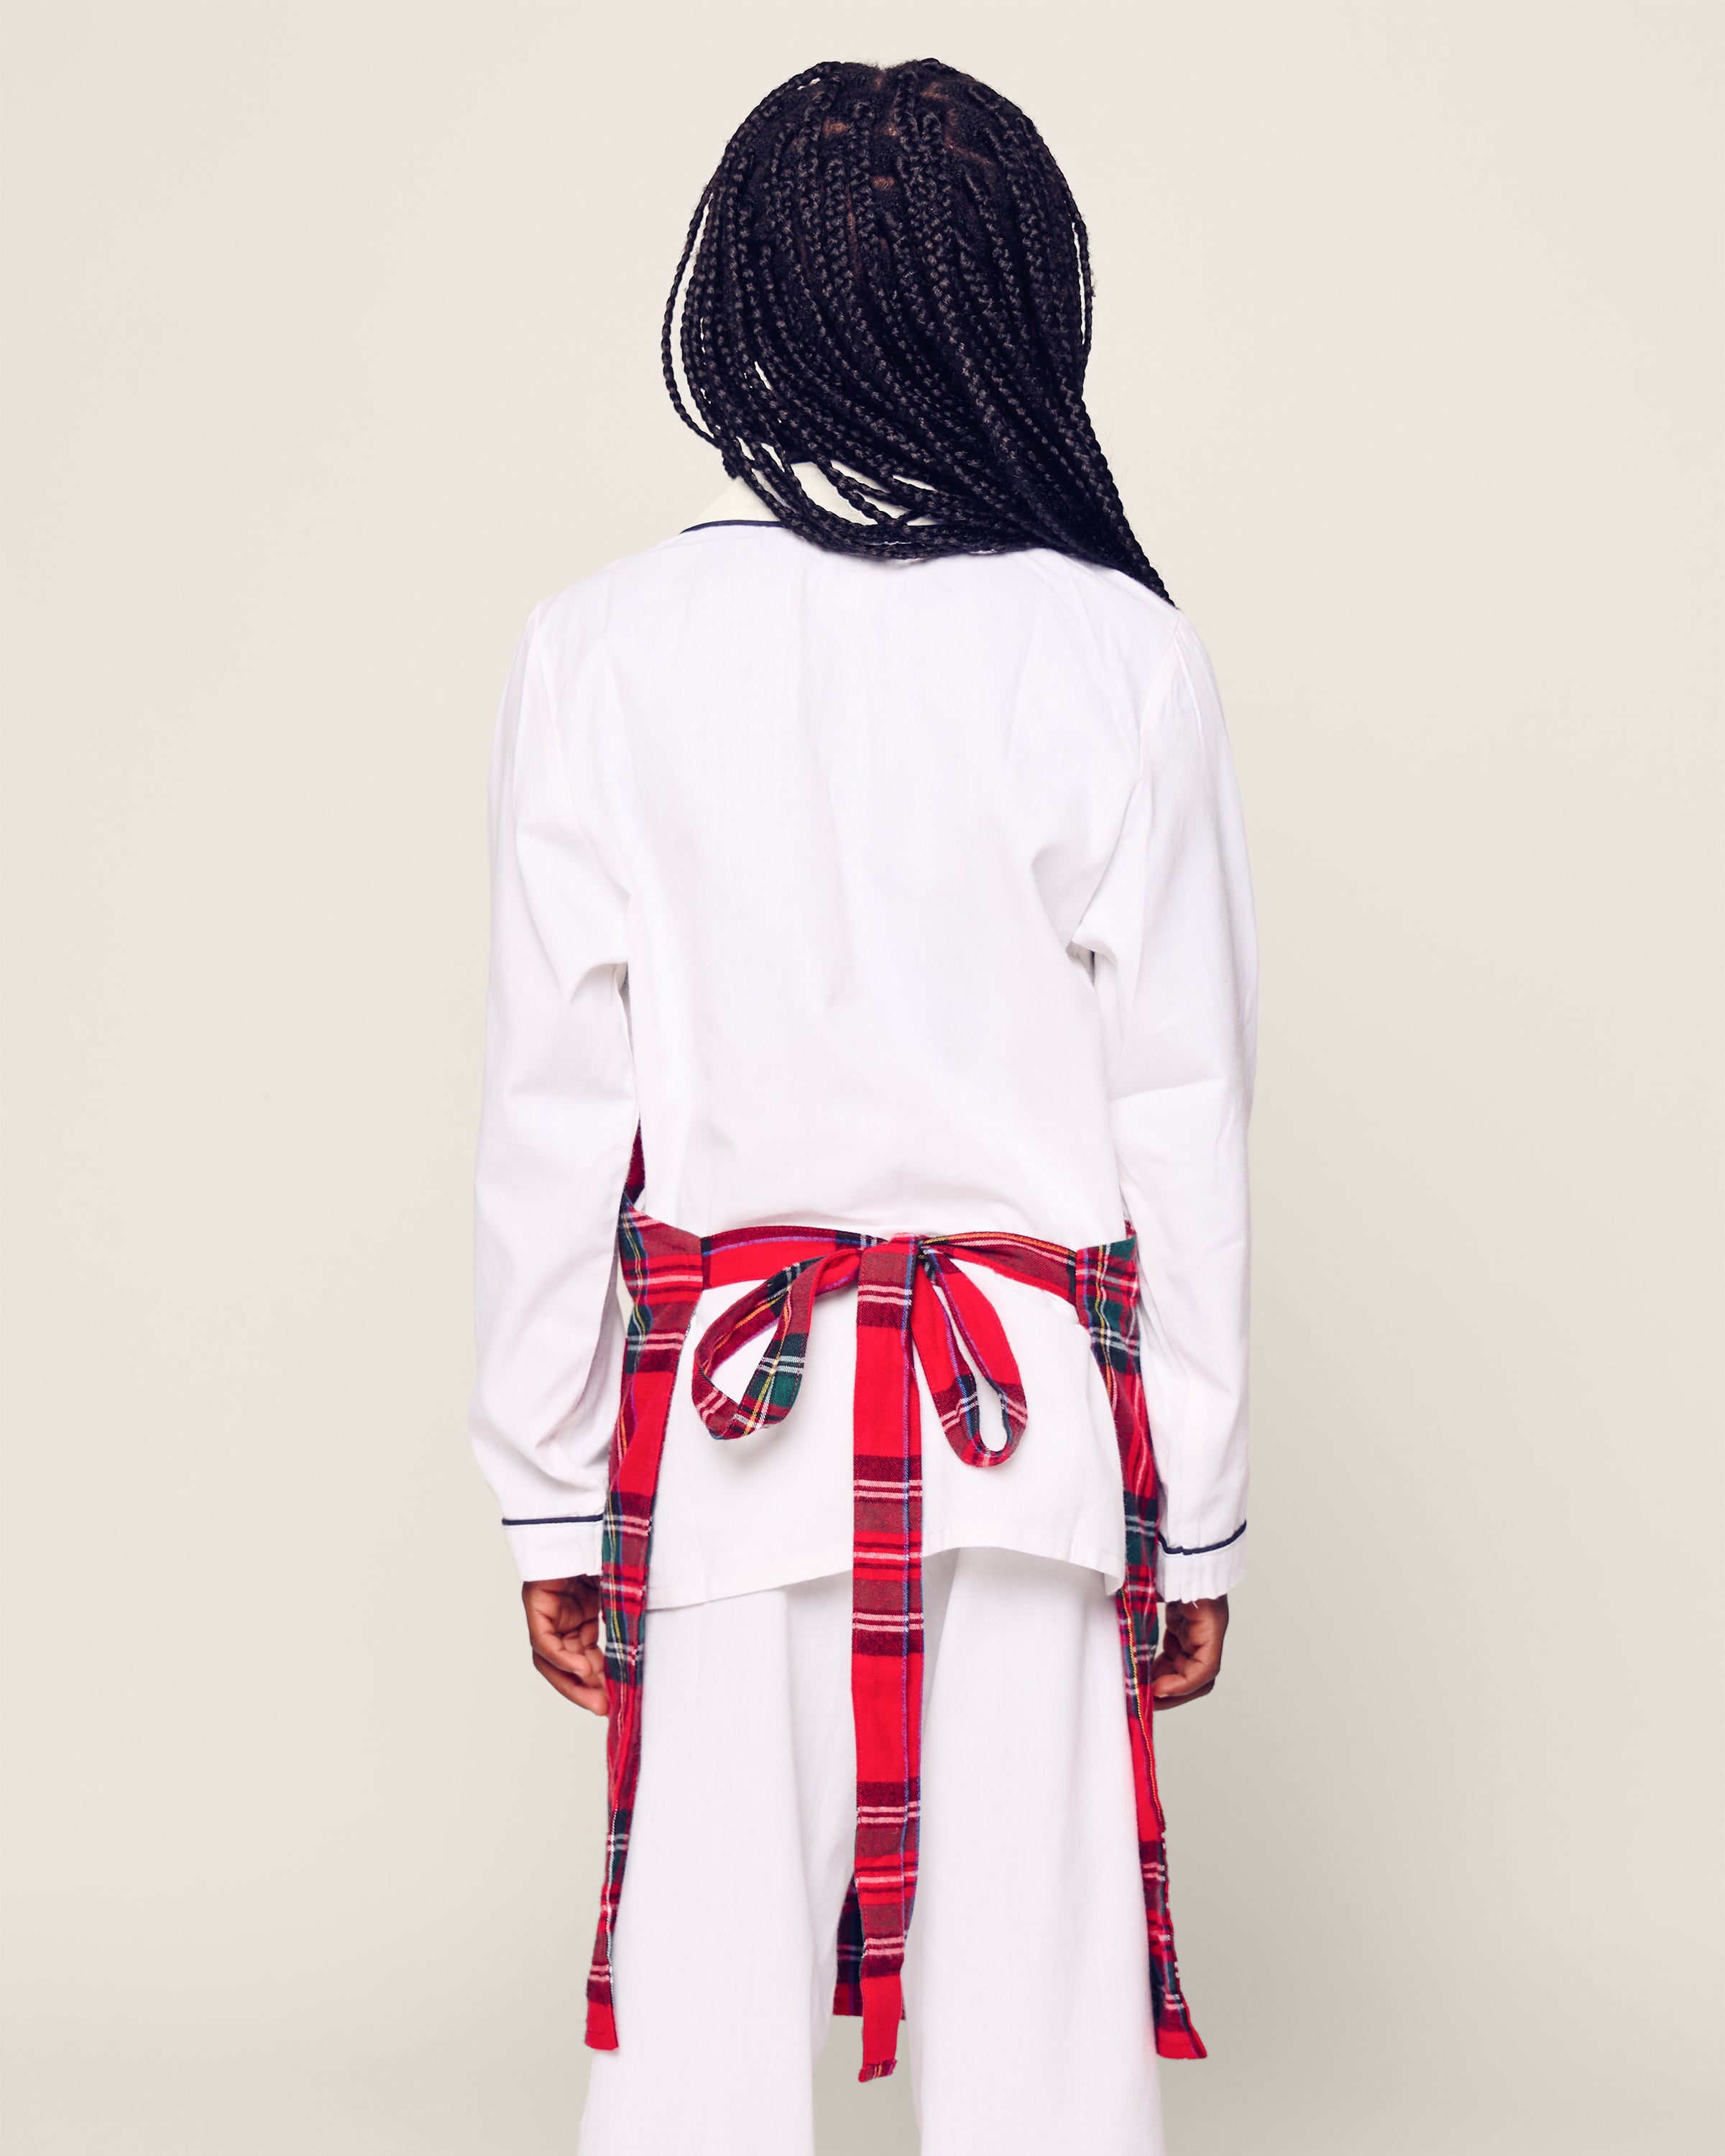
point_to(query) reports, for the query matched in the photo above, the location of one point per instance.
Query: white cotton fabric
(907, 897)
(1027, 1993)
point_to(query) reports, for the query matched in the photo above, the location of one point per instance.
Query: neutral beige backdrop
(330, 347)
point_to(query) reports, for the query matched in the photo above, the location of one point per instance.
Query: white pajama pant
(1027, 1992)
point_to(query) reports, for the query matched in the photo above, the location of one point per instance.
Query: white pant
(1027, 1990)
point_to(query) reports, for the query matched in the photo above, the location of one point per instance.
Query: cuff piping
(1182, 1549)
(559, 1520)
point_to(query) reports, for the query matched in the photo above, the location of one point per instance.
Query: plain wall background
(330, 347)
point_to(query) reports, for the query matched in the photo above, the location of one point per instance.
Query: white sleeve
(556, 1131)
(1175, 964)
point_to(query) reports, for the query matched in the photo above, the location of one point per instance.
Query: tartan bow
(953, 1328)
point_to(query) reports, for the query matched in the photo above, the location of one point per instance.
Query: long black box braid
(887, 278)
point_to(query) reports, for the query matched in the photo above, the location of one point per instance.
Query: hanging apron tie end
(883, 2008)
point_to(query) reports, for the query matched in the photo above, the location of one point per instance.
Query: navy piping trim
(1202, 1549)
(559, 1520)
(750, 523)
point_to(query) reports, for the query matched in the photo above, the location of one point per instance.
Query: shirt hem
(685, 1589)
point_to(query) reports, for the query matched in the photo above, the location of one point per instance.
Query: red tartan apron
(913, 1300)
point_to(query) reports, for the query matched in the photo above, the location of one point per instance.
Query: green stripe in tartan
(771, 1390)
(1140, 1534)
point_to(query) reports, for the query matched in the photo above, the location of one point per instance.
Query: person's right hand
(563, 1630)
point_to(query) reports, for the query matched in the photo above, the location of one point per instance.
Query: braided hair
(887, 278)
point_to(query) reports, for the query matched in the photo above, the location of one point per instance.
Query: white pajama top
(897, 898)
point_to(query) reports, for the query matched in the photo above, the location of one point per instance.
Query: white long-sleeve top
(886, 897)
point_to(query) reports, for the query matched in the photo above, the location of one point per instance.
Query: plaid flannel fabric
(914, 1305)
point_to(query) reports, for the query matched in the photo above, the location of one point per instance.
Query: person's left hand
(563, 1630)
(1191, 1651)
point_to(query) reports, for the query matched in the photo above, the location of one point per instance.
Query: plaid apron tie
(914, 1305)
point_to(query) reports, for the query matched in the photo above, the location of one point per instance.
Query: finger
(1191, 1647)
(1175, 1674)
(1181, 1694)
(587, 1665)
(593, 1697)
(1205, 1655)
(564, 1651)
(1183, 1678)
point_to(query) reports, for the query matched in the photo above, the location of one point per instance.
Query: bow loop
(782, 1303)
(950, 1309)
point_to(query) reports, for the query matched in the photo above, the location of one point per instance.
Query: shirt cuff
(1197, 1575)
(569, 1548)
